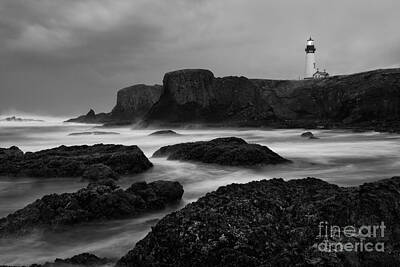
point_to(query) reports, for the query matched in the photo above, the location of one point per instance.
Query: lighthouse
(311, 68)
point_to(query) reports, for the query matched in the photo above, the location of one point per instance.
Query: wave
(15, 118)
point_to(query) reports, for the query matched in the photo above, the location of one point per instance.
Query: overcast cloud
(63, 56)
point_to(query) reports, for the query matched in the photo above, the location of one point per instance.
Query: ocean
(341, 157)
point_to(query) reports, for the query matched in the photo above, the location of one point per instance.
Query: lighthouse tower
(310, 59)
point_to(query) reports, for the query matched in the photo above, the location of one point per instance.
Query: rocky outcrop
(95, 202)
(17, 119)
(12, 153)
(93, 133)
(276, 223)
(96, 172)
(92, 117)
(195, 95)
(308, 135)
(135, 101)
(132, 104)
(84, 259)
(370, 99)
(165, 132)
(72, 161)
(231, 151)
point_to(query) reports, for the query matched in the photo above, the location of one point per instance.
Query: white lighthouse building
(311, 67)
(311, 70)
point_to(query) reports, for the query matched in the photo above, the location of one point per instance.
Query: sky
(62, 57)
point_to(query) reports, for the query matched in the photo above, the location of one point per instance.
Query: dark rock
(135, 101)
(224, 151)
(17, 119)
(164, 132)
(132, 104)
(105, 181)
(98, 172)
(274, 223)
(73, 161)
(309, 135)
(363, 100)
(159, 192)
(84, 259)
(195, 95)
(93, 203)
(91, 114)
(368, 100)
(91, 117)
(10, 153)
(93, 133)
(117, 123)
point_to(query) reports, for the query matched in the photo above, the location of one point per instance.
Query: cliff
(132, 104)
(358, 100)
(364, 99)
(135, 101)
(195, 95)
(368, 100)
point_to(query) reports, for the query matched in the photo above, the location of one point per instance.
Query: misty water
(339, 156)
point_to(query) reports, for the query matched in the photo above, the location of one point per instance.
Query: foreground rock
(72, 161)
(274, 223)
(98, 172)
(84, 259)
(164, 132)
(224, 151)
(93, 203)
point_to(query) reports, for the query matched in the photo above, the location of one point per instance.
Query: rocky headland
(231, 151)
(275, 223)
(135, 101)
(72, 161)
(368, 100)
(92, 117)
(97, 202)
(132, 104)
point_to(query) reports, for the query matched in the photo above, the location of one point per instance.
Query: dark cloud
(62, 56)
